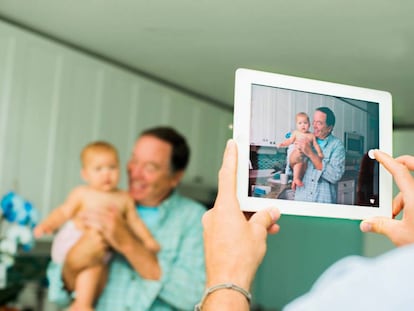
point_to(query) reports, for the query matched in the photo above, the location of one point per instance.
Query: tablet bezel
(245, 78)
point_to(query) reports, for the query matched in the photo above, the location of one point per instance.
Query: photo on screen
(278, 115)
(303, 146)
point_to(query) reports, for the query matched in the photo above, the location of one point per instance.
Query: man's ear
(177, 176)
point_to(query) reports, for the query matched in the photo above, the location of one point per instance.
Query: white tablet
(280, 124)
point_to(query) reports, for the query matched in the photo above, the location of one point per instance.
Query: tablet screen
(303, 146)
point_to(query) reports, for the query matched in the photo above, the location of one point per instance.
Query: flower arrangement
(18, 218)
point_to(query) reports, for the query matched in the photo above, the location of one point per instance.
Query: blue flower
(16, 210)
(7, 207)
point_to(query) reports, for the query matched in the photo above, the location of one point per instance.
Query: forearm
(232, 297)
(286, 142)
(316, 160)
(55, 219)
(142, 260)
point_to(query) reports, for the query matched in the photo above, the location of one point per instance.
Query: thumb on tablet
(267, 218)
(391, 228)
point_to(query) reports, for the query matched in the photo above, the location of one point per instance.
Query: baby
(100, 171)
(297, 160)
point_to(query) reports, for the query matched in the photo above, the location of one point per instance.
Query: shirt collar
(323, 142)
(166, 202)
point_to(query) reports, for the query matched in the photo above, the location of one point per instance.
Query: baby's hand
(153, 246)
(40, 231)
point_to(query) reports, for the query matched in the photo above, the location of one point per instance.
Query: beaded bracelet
(214, 288)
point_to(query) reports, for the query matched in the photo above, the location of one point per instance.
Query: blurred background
(76, 71)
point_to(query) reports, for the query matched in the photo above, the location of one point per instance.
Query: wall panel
(55, 99)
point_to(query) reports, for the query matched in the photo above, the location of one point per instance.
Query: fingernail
(274, 213)
(366, 226)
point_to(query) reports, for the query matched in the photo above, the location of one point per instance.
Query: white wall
(274, 109)
(54, 100)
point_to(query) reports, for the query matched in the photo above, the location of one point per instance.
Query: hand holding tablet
(324, 132)
(399, 231)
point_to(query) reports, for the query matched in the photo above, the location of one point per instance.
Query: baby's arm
(317, 147)
(59, 215)
(287, 142)
(138, 226)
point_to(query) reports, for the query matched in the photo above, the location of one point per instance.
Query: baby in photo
(297, 161)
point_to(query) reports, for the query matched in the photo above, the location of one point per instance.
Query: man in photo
(322, 174)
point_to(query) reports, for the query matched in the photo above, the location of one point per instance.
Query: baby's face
(302, 124)
(101, 171)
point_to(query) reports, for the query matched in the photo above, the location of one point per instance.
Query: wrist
(226, 296)
(316, 160)
(243, 280)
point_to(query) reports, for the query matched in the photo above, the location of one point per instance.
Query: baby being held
(297, 160)
(100, 171)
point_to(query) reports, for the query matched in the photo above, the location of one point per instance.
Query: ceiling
(197, 45)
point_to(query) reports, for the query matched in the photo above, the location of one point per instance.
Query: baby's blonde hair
(302, 114)
(97, 147)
